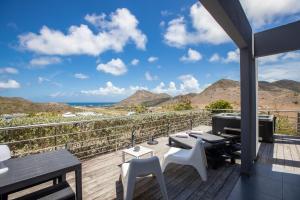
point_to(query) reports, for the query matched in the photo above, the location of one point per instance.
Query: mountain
(222, 89)
(288, 84)
(270, 95)
(283, 94)
(178, 98)
(146, 98)
(11, 105)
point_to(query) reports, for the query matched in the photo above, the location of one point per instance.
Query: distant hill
(270, 95)
(288, 84)
(144, 97)
(178, 98)
(11, 105)
(283, 94)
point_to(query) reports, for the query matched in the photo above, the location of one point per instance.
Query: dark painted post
(298, 124)
(249, 122)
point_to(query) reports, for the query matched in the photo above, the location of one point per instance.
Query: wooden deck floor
(101, 174)
(101, 179)
(276, 174)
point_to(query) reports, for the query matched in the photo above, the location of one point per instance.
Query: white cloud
(152, 59)
(162, 88)
(286, 70)
(44, 61)
(192, 56)
(206, 29)
(81, 76)
(43, 79)
(215, 58)
(109, 89)
(189, 84)
(135, 88)
(165, 13)
(10, 84)
(8, 70)
(135, 62)
(114, 33)
(232, 56)
(279, 57)
(150, 77)
(269, 11)
(162, 24)
(115, 67)
(58, 94)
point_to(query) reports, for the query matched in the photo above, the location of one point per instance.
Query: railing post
(298, 124)
(55, 138)
(116, 142)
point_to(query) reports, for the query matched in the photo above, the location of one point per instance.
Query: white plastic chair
(140, 168)
(194, 157)
(4, 155)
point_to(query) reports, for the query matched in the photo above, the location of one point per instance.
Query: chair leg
(165, 164)
(161, 181)
(201, 169)
(129, 188)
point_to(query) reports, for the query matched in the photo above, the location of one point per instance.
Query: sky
(103, 51)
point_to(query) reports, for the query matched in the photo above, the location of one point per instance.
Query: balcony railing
(88, 138)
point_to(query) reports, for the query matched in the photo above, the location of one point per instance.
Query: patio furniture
(61, 191)
(4, 155)
(217, 148)
(231, 123)
(35, 169)
(141, 168)
(136, 152)
(194, 157)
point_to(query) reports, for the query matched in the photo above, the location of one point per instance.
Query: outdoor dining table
(28, 171)
(188, 140)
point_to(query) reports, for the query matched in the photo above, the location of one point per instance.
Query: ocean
(91, 104)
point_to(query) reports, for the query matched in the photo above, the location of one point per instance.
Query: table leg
(62, 178)
(3, 197)
(123, 157)
(78, 183)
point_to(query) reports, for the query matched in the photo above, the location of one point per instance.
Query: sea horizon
(91, 104)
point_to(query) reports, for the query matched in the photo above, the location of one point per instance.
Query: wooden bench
(61, 191)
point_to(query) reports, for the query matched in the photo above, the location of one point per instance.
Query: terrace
(99, 147)
(264, 171)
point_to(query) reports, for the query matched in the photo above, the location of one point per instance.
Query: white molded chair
(194, 157)
(4, 155)
(140, 168)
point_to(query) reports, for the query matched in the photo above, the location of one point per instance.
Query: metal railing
(87, 138)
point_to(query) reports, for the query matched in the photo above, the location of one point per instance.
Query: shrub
(183, 104)
(219, 105)
(140, 109)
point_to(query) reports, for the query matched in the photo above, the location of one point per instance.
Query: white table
(137, 154)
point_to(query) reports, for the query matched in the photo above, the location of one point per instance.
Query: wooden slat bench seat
(61, 191)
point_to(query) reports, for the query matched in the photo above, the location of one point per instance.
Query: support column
(249, 121)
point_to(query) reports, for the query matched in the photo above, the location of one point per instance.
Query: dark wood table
(35, 169)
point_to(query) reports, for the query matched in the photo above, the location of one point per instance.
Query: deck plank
(101, 174)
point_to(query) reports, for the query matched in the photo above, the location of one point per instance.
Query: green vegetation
(140, 109)
(183, 104)
(285, 126)
(87, 138)
(219, 106)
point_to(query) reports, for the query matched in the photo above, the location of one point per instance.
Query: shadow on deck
(276, 175)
